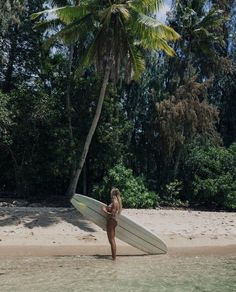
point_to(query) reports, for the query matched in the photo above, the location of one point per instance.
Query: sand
(28, 231)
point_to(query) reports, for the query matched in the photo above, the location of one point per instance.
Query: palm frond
(46, 25)
(157, 43)
(135, 56)
(45, 12)
(146, 6)
(67, 14)
(137, 61)
(163, 30)
(212, 19)
(70, 14)
(153, 36)
(72, 32)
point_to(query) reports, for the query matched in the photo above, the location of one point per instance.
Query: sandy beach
(28, 231)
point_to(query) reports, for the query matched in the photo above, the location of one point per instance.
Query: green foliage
(172, 194)
(134, 192)
(20, 46)
(211, 176)
(9, 13)
(5, 118)
(36, 151)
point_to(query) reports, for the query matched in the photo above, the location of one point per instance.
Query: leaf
(67, 14)
(138, 62)
(146, 6)
(163, 30)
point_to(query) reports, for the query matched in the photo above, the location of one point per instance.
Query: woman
(112, 211)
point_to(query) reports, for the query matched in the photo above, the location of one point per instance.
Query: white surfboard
(127, 230)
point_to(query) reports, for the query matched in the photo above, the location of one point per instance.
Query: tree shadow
(43, 217)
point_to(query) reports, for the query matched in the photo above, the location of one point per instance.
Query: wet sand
(26, 231)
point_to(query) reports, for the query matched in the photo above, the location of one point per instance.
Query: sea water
(130, 273)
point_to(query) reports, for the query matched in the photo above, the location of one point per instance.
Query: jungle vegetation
(99, 93)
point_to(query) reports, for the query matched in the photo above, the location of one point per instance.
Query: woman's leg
(111, 226)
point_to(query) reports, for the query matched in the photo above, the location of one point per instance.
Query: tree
(180, 119)
(201, 47)
(225, 87)
(158, 144)
(20, 46)
(116, 33)
(210, 176)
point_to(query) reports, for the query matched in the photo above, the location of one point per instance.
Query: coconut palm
(115, 35)
(199, 27)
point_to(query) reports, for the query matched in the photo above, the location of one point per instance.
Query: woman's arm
(106, 209)
(111, 210)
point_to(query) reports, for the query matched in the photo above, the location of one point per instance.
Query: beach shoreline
(28, 231)
(7, 252)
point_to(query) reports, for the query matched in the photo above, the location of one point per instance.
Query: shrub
(211, 176)
(134, 192)
(172, 194)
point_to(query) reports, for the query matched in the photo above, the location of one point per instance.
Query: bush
(133, 190)
(211, 176)
(172, 194)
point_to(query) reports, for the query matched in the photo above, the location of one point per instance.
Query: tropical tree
(182, 118)
(19, 45)
(115, 35)
(202, 41)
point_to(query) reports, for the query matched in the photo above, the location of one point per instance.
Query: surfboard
(127, 230)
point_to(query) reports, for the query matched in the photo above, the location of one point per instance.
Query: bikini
(112, 216)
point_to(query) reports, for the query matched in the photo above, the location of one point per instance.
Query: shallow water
(140, 273)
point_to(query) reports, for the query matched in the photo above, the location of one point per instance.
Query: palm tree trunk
(85, 178)
(73, 184)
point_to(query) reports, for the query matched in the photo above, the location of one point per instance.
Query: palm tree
(115, 35)
(199, 27)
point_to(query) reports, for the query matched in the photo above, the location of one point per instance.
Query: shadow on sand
(42, 217)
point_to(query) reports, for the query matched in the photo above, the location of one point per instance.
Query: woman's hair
(115, 193)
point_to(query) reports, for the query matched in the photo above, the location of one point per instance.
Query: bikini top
(113, 214)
